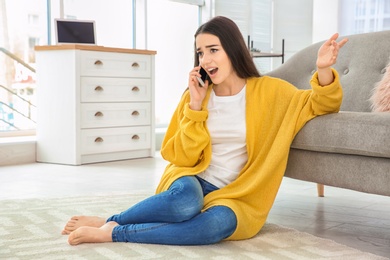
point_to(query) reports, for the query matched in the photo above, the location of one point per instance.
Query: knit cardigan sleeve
(275, 112)
(186, 136)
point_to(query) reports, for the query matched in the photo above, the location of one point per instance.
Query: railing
(14, 57)
(8, 111)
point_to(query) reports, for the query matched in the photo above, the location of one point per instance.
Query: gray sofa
(350, 149)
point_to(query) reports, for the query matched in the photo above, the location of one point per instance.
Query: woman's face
(213, 58)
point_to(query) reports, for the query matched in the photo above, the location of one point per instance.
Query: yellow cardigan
(275, 112)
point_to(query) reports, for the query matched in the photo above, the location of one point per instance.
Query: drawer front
(111, 64)
(98, 89)
(109, 140)
(115, 114)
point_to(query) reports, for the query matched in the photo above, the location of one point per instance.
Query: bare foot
(82, 221)
(92, 234)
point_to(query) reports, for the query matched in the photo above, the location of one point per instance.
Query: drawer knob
(98, 62)
(135, 89)
(135, 65)
(135, 137)
(99, 88)
(98, 114)
(99, 140)
(135, 113)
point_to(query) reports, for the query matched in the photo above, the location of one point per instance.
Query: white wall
(325, 19)
(292, 22)
(171, 29)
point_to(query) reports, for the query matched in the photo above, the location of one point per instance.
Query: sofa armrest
(358, 133)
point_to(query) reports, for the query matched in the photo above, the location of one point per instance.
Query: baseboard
(17, 150)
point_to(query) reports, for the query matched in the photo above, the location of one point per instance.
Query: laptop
(70, 31)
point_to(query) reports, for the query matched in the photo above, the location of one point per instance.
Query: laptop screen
(75, 31)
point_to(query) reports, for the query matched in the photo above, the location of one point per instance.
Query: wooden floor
(352, 218)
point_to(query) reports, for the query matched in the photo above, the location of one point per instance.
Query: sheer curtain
(361, 16)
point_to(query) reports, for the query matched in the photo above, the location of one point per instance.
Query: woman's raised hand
(328, 52)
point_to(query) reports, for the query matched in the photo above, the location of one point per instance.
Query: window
(33, 19)
(364, 16)
(20, 31)
(114, 22)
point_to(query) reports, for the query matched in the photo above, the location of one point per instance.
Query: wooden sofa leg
(320, 190)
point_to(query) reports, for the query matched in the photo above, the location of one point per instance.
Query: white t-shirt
(227, 127)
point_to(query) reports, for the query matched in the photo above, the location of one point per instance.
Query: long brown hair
(232, 42)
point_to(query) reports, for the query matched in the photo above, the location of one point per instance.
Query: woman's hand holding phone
(197, 90)
(203, 76)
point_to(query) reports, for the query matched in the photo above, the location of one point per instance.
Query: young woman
(227, 146)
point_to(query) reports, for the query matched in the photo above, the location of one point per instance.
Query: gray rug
(30, 229)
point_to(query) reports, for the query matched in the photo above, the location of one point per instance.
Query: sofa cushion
(358, 133)
(381, 94)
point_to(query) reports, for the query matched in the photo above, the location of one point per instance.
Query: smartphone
(202, 80)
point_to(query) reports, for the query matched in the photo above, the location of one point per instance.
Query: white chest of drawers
(95, 104)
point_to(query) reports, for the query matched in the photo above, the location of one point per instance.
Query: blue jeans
(174, 217)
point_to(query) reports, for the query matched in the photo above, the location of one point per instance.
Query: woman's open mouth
(212, 71)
